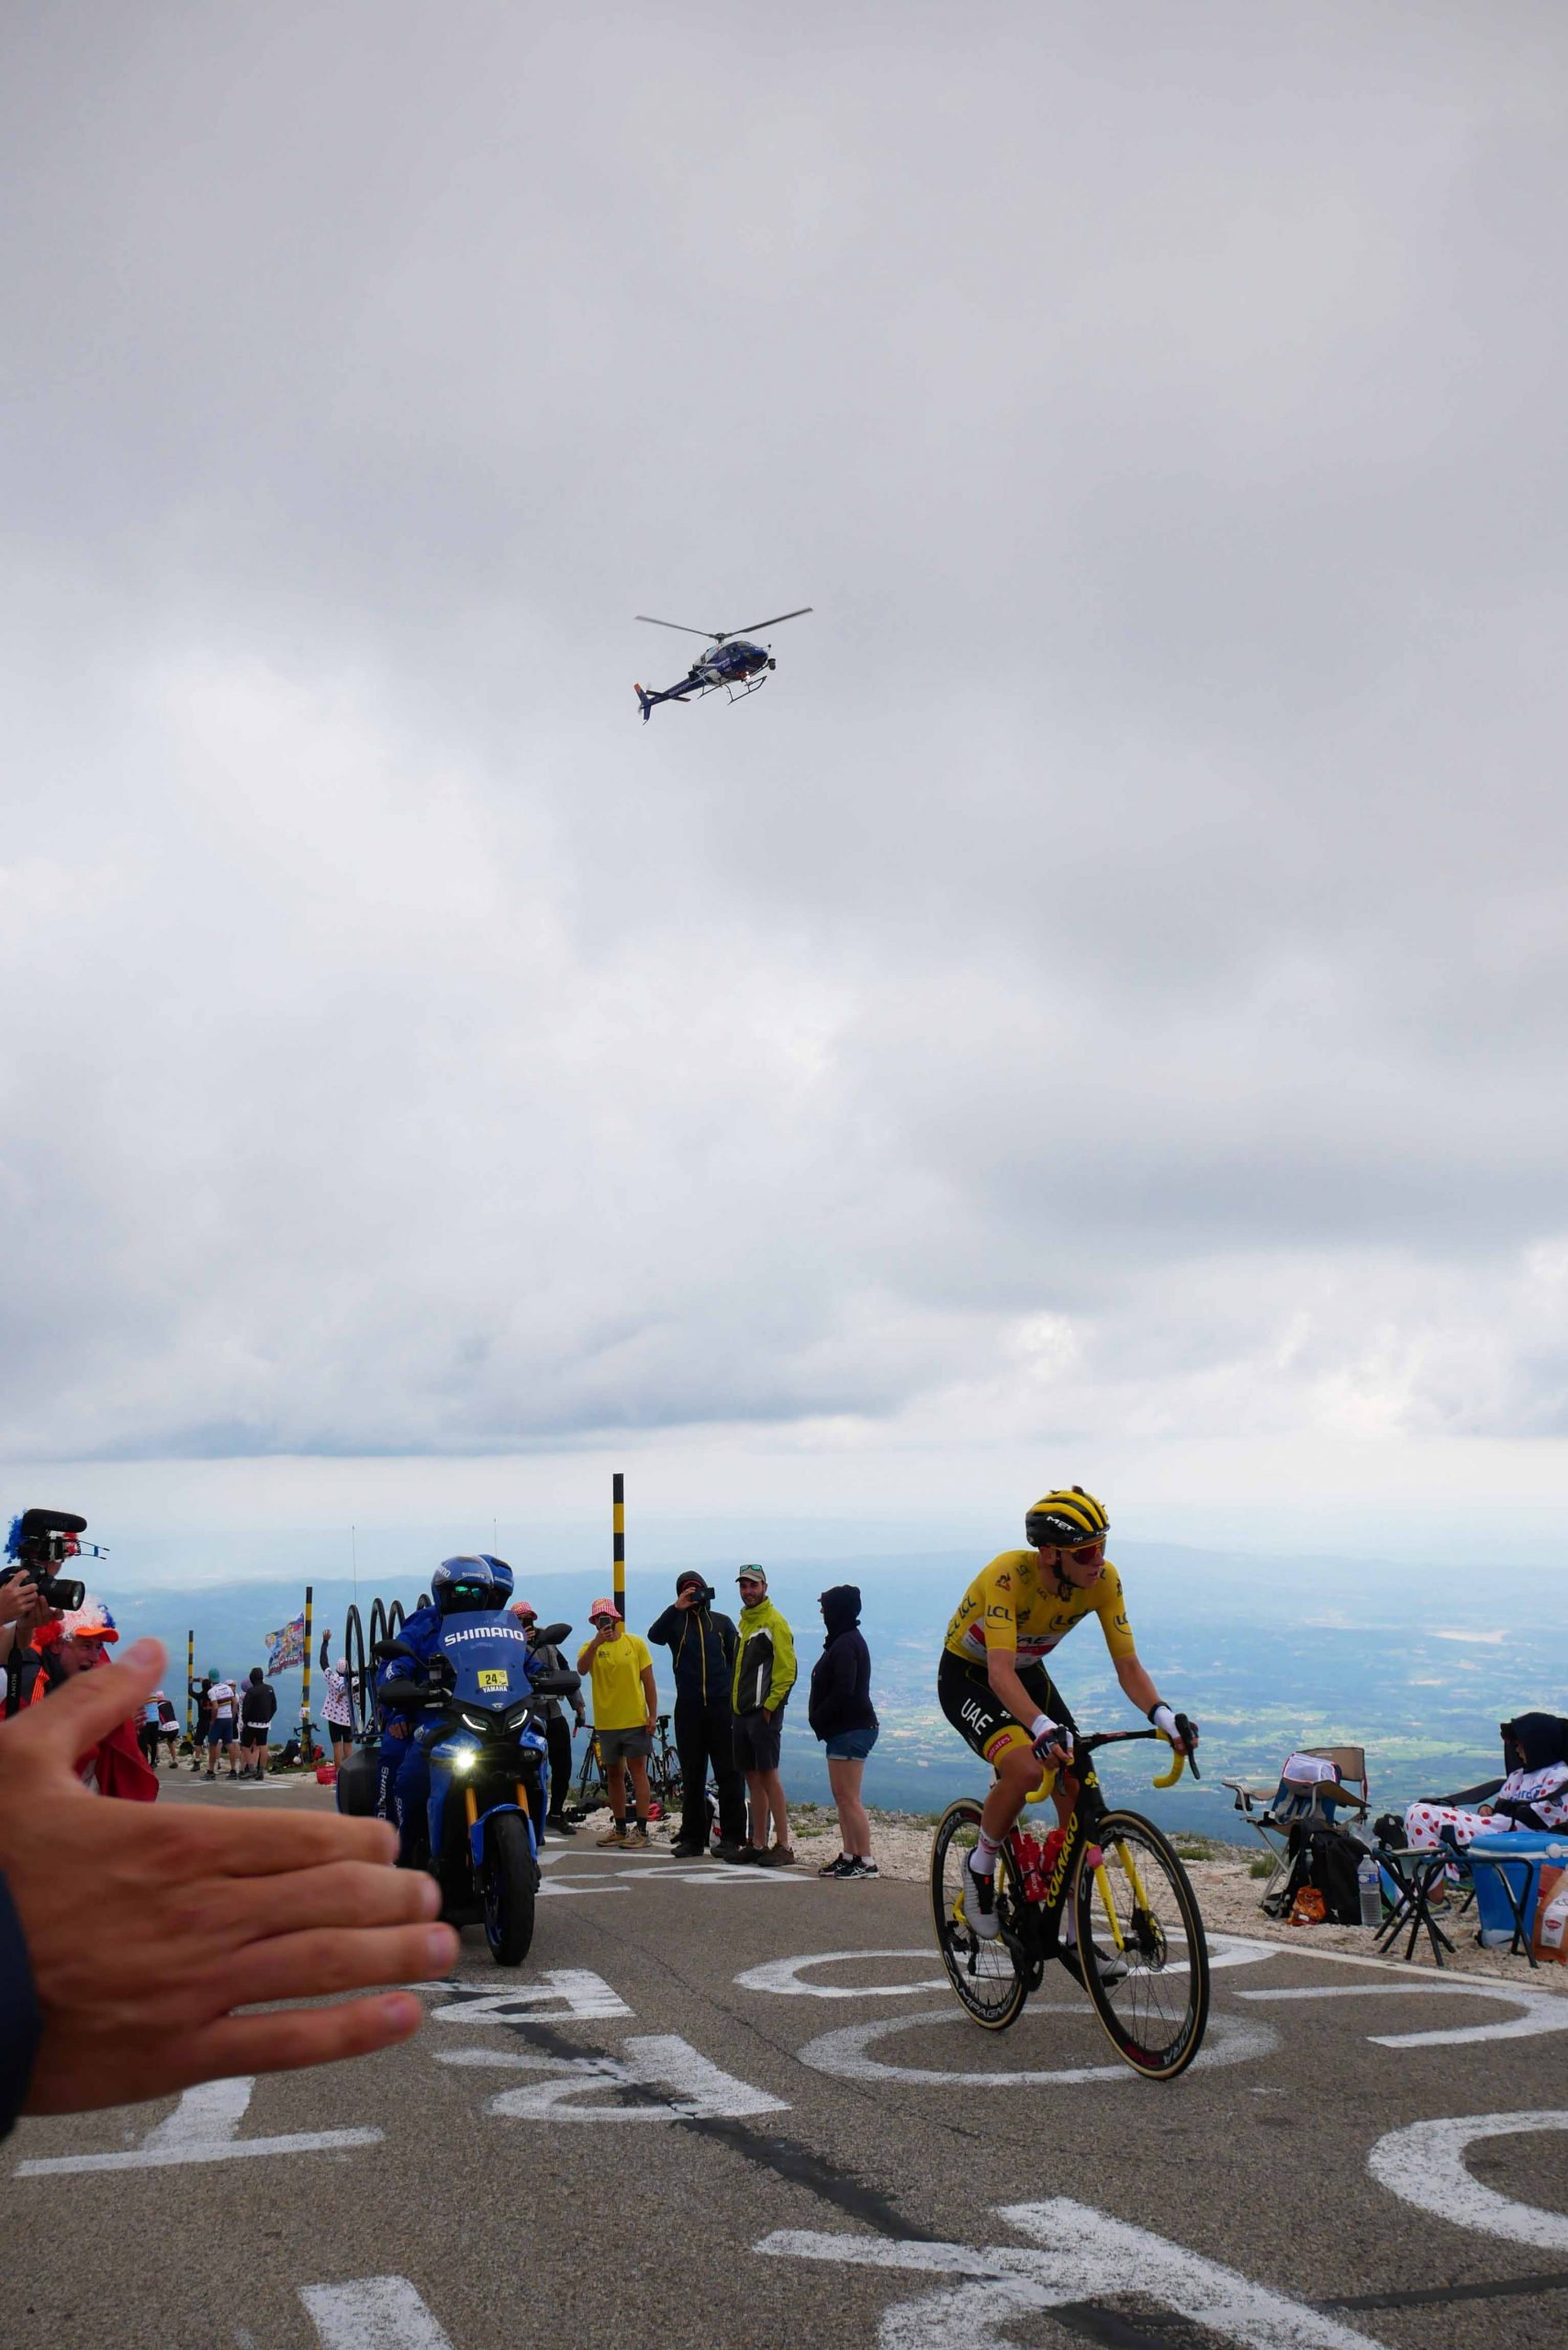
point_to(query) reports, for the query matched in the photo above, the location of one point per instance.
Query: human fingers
(342, 1893)
(87, 1709)
(218, 1842)
(293, 2037)
(316, 1965)
(68, 2077)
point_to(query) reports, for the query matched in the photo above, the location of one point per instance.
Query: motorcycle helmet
(471, 1584)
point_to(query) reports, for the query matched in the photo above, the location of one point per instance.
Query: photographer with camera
(704, 1645)
(33, 1597)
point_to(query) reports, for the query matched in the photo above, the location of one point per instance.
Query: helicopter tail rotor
(648, 703)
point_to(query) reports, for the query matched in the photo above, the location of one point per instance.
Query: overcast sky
(1100, 1008)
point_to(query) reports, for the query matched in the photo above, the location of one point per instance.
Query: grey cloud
(1115, 973)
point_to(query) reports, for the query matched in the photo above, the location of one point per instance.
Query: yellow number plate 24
(495, 1679)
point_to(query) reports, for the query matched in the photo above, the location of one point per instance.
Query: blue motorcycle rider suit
(465, 1585)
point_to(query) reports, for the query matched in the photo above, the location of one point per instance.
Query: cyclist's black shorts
(978, 1714)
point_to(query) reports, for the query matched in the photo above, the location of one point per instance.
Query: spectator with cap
(704, 1646)
(763, 1676)
(557, 1737)
(79, 1641)
(625, 1715)
(840, 1711)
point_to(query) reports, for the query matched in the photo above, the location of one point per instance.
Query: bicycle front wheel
(1139, 1909)
(983, 1974)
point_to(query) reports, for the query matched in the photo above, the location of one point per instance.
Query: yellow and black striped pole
(190, 1677)
(618, 1513)
(306, 1741)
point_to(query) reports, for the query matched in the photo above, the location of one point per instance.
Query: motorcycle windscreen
(488, 1656)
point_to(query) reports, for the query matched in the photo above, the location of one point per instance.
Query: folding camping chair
(1274, 1807)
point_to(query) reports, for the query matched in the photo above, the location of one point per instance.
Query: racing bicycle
(664, 1775)
(1127, 1889)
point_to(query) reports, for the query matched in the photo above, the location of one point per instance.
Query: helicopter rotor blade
(714, 636)
(778, 617)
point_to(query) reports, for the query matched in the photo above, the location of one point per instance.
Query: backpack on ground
(1325, 1859)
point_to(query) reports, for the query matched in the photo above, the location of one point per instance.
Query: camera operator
(703, 1644)
(33, 1597)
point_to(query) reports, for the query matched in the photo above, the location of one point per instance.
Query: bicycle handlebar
(1179, 1759)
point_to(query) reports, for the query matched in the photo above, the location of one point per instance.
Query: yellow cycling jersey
(1006, 1608)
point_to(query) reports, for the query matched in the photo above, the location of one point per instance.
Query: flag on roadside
(285, 1650)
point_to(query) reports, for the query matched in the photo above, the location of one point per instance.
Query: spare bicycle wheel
(1140, 1911)
(983, 1974)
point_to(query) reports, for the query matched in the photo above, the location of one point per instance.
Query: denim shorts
(852, 1745)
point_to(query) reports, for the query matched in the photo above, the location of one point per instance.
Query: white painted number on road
(373, 2313)
(204, 2128)
(560, 1992)
(1424, 2165)
(682, 2085)
(1540, 2012)
(1083, 2256)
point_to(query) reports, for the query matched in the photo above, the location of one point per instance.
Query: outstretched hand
(150, 1926)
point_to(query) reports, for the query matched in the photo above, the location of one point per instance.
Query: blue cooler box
(1523, 1851)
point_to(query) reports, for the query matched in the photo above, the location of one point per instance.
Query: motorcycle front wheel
(511, 1883)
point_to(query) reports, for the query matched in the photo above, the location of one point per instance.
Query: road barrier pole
(190, 1677)
(618, 1514)
(305, 1742)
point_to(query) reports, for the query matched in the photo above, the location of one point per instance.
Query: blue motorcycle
(479, 1716)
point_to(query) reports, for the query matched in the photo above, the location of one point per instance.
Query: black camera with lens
(39, 1542)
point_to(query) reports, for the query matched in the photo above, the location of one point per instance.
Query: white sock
(986, 1851)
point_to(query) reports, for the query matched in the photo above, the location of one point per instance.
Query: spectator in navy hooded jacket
(841, 1712)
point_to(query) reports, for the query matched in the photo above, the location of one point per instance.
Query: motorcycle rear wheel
(510, 1884)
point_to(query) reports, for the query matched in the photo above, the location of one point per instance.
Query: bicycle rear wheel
(983, 1974)
(1140, 1905)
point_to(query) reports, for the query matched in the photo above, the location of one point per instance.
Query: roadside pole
(306, 1739)
(618, 1513)
(190, 1677)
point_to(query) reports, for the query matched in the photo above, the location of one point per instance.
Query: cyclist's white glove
(1175, 1727)
(1045, 1735)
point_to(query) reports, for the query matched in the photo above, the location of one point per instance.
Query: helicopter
(731, 661)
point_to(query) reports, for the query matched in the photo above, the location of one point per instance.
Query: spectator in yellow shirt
(625, 1715)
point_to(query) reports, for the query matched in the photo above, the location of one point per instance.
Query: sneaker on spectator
(742, 1856)
(778, 1856)
(862, 1865)
(843, 1866)
(616, 1835)
(638, 1838)
(684, 1851)
(558, 1824)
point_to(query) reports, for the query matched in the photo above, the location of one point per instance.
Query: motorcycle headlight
(464, 1759)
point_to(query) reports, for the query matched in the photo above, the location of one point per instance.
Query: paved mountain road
(725, 2108)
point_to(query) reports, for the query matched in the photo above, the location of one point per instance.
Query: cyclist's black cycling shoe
(980, 1902)
(1109, 1965)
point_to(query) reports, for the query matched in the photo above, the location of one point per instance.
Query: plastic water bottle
(1369, 1885)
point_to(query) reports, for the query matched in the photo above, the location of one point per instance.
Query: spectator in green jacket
(764, 1674)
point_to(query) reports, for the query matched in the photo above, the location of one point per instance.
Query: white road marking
(371, 2313)
(1423, 2164)
(845, 2054)
(689, 2087)
(620, 1880)
(560, 1992)
(1540, 2012)
(203, 2128)
(781, 1977)
(1083, 2256)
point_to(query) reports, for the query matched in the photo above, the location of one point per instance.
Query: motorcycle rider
(470, 1583)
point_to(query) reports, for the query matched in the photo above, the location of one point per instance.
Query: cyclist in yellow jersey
(993, 1686)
